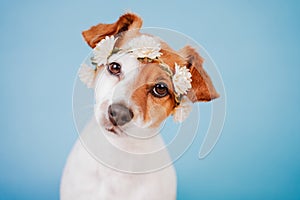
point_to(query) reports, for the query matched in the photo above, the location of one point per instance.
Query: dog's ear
(202, 86)
(126, 22)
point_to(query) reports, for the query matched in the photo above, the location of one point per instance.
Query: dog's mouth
(113, 130)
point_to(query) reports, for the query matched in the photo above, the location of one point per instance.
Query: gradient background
(255, 44)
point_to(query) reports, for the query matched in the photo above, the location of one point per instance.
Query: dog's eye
(114, 68)
(160, 90)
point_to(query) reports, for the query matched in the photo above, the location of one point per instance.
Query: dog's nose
(119, 114)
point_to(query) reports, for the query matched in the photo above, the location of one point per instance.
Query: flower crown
(144, 48)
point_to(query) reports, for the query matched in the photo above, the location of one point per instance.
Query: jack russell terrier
(138, 81)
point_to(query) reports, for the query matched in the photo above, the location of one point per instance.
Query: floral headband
(144, 48)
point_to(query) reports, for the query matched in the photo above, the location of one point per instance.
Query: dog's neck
(136, 140)
(125, 151)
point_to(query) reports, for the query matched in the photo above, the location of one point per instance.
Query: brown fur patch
(152, 108)
(202, 86)
(170, 57)
(126, 22)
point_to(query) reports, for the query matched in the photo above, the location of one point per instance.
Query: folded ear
(202, 86)
(126, 22)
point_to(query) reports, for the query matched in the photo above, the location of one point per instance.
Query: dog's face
(135, 93)
(130, 93)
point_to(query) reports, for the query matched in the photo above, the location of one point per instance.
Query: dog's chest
(85, 178)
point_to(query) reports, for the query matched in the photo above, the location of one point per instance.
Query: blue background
(255, 44)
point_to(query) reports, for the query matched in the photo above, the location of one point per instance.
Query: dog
(138, 81)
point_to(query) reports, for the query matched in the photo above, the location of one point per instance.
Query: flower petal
(144, 47)
(182, 80)
(182, 111)
(103, 50)
(86, 75)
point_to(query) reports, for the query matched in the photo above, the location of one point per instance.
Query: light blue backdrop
(255, 44)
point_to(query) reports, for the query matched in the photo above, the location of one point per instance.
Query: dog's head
(138, 79)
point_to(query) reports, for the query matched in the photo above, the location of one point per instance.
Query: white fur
(85, 178)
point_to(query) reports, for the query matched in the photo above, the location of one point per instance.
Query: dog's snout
(119, 114)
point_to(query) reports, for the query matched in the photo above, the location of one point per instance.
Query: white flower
(182, 80)
(103, 50)
(144, 47)
(182, 111)
(86, 75)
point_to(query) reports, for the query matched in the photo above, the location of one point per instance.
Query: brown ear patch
(202, 86)
(126, 22)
